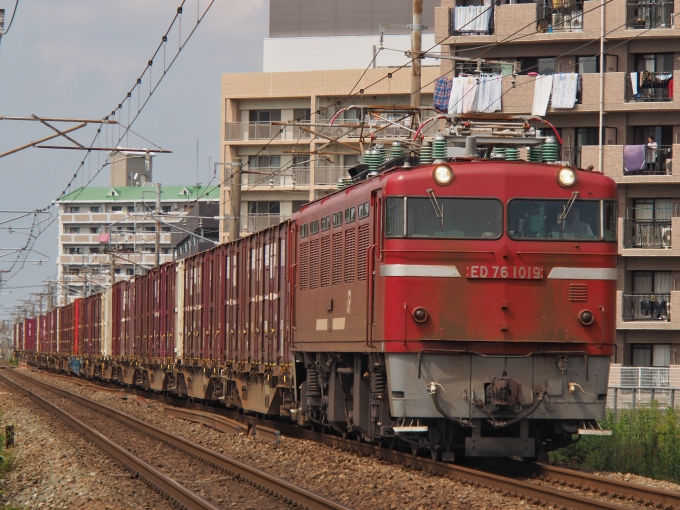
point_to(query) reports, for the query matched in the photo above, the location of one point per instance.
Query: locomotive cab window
(364, 210)
(462, 218)
(543, 219)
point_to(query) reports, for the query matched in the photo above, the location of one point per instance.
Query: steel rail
(162, 482)
(642, 494)
(257, 477)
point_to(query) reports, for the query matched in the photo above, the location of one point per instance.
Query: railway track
(165, 484)
(563, 488)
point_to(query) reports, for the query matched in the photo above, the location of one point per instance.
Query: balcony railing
(472, 20)
(329, 175)
(648, 86)
(568, 17)
(647, 307)
(263, 131)
(646, 14)
(570, 156)
(275, 176)
(643, 160)
(647, 233)
(256, 222)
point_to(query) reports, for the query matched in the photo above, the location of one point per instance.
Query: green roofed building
(109, 233)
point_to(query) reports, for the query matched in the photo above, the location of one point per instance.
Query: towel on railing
(542, 91)
(633, 158)
(564, 89)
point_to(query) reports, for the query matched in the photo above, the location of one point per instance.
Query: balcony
(122, 259)
(646, 14)
(642, 160)
(631, 387)
(120, 236)
(647, 307)
(647, 233)
(329, 175)
(246, 131)
(565, 18)
(274, 176)
(471, 20)
(256, 222)
(648, 86)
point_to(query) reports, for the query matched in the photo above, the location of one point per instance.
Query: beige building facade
(641, 100)
(275, 124)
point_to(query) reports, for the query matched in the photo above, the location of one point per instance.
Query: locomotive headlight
(442, 175)
(566, 177)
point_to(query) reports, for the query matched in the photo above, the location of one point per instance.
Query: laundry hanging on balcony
(442, 93)
(633, 158)
(542, 90)
(564, 90)
(475, 94)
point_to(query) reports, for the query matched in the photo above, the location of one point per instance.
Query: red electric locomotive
(458, 306)
(465, 306)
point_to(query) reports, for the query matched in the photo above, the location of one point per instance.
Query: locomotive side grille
(578, 292)
(304, 266)
(337, 258)
(350, 255)
(314, 264)
(364, 241)
(325, 261)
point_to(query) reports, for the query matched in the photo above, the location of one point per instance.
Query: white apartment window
(74, 230)
(74, 209)
(130, 272)
(95, 209)
(166, 209)
(165, 229)
(116, 208)
(94, 230)
(75, 251)
(150, 229)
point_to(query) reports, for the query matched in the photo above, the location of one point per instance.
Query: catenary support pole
(235, 224)
(416, 47)
(158, 224)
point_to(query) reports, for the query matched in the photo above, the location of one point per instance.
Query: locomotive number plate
(505, 272)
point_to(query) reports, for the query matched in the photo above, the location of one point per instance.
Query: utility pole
(113, 269)
(416, 47)
(158, 223)
(235, 225)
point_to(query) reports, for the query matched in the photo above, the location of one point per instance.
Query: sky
(78, 59)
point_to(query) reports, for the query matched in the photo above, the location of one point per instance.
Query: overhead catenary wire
(11, 20)
(116, 112)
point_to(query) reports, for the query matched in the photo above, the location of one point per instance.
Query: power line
(16, 5)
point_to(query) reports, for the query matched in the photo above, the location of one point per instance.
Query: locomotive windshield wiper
(567, 206)
(437, 209)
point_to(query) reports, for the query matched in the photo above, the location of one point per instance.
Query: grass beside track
(645, 442)
(7, 460)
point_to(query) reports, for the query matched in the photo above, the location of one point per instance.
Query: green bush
(644, 441)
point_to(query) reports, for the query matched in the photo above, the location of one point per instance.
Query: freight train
(464, 307)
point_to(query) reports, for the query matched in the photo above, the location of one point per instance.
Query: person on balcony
(650, 153)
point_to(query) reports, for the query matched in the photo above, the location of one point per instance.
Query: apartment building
(109, 232)
(641, 53)
(316, 54)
